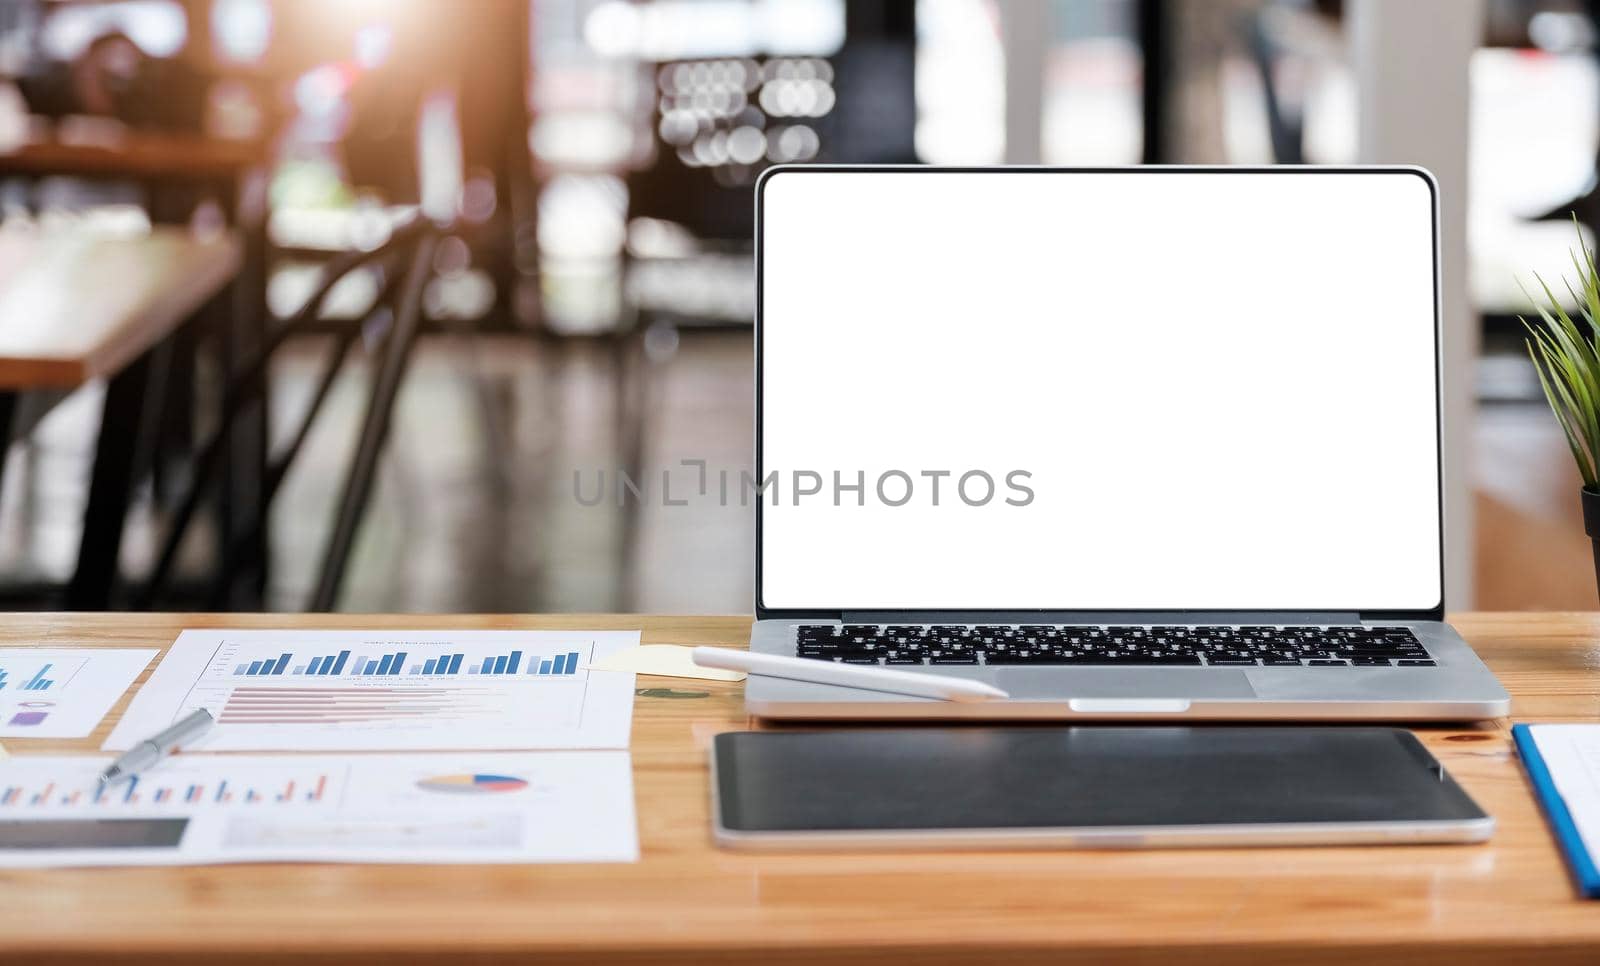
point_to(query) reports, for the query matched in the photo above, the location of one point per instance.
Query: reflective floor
(477, 503)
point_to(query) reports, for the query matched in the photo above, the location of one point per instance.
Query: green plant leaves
(1566, 357)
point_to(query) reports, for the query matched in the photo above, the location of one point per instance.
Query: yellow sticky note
(667, 660)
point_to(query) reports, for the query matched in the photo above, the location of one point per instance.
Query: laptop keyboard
(1185, 646)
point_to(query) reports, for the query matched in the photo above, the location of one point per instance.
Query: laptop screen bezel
(763, 612)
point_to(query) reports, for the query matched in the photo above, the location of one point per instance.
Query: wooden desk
(1508, 901)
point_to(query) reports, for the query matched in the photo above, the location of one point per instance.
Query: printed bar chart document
(49, 692)
(386, 690)
(497, 807)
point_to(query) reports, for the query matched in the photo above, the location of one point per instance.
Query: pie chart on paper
(472, 784)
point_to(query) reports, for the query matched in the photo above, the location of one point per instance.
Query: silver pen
(158, 746)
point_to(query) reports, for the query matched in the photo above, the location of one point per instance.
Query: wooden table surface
(77, 304)
(134, 154)
(1509, 900)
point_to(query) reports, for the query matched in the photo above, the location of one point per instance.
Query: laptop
(1142, 443)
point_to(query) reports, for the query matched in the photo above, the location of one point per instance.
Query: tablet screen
(1079, 777)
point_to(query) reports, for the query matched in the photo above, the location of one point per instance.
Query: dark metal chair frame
(407, 258)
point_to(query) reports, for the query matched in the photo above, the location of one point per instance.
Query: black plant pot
(1591, 525)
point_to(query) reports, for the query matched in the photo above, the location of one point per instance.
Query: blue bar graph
(562, 664)
(268, 666)
(394, 664)
(39, 682)
(338, 666)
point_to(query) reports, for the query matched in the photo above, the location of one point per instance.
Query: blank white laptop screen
(1186, 390)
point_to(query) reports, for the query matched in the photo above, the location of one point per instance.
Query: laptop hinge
(1101, 617)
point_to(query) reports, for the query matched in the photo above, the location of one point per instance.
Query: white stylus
(848, 675)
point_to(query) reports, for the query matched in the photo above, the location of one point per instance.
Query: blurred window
(1534, 128)
(241, 29)
(158, 27)
(960, 82)
(1092, 97)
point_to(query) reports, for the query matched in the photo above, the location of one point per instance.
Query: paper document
(469, 807)
(1572, 756)
(669, 660)
(51, 692)
(388, 690)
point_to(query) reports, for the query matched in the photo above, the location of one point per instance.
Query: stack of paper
(461, 695)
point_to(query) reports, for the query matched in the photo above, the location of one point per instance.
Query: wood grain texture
(76, 305)
(1508, 901)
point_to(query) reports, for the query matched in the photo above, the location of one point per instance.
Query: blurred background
(363, 302)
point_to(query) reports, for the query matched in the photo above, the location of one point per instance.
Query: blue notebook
(1563, 763)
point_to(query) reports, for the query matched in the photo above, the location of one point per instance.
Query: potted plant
(1566, 355)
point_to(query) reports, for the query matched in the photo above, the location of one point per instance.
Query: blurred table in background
(136, 156)
(76, 306)
(177, 173)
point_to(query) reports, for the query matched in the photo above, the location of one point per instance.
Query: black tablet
(1024, 786)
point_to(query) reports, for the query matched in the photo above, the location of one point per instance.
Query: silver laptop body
(1142, 443)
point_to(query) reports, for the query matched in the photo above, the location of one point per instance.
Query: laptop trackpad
(1060, 683)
